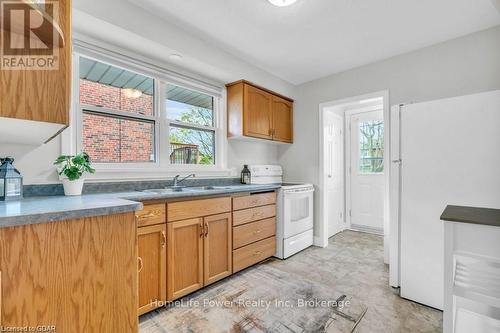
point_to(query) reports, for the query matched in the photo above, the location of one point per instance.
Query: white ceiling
(316, 38)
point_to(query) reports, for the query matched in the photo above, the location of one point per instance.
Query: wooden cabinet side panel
(184, 257)
(235, 110)
(12, 88)
(41, 95)
(79, 275)
(218, 254)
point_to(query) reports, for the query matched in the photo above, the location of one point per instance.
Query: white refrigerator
(449, 153)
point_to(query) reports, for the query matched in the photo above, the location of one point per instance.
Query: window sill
(117, 173)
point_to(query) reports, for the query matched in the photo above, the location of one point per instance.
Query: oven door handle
(299, 192)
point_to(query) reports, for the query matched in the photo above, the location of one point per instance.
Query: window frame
(72, 140)
(214, 128)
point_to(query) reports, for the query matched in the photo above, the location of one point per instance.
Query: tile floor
(352, 264)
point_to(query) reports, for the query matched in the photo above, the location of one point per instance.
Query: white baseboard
(370, 230)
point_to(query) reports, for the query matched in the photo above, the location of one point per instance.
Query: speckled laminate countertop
(57, 208)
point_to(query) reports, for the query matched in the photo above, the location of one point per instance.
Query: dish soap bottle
(245, 175)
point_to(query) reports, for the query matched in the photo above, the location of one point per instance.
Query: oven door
(297, 211)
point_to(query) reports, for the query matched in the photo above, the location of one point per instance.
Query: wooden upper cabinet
(217, 247)
(282, 111)
(256, 112)
(257, 115)
(152, 248)
(184, 257)
(39, 94)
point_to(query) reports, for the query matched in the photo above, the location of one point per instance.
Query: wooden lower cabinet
(199, 253)
(185, 257)
(217, 247)
(77, 275)
(152, 248)
(251, 254)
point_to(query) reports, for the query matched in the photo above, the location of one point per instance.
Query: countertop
(56, 208)
(474, 215)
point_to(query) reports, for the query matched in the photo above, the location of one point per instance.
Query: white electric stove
(295, 210)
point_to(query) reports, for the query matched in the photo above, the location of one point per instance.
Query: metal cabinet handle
(163, 239)
(256, 253)
(202, 230)
(206, 229)
(257, 231)
(141, 264)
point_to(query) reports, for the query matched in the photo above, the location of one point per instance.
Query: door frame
(348, 160)
(322, 237)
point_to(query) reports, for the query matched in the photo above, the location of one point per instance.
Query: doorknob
(397, 161)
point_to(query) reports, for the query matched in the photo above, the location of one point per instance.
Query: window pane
(191, 146)
(114, 140)
(189, 106)
(114, 88)
(371, 147)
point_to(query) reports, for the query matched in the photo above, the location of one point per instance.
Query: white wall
(461, 66)
(126, 26)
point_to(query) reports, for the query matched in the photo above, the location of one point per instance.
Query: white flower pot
(73, 187)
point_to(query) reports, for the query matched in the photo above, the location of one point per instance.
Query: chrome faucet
(177, 180)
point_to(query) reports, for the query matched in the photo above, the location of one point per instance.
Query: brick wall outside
(112, 140)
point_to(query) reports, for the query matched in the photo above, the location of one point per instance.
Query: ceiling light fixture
(132, 93)
(282, 3)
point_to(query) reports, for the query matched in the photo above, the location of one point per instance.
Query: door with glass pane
(366, 171)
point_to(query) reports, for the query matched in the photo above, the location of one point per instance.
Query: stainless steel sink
(164, 190)
(206, 188)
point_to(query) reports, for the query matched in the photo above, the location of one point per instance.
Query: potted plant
(72, 168)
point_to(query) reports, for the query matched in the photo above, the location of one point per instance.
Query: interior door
(282, 119)
(185, 257)
(366, 171)
(257, 113)
(217, 247)
(152, 242)
(333, 172)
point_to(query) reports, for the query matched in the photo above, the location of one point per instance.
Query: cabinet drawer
(253, 253)
(252, 232)
(253, 214)
(254, 200)
(151, 214)
(184, 210)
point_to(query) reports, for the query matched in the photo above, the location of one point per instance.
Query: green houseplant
(72, 168)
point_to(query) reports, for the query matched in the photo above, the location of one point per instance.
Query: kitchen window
(117, 113)
(192, 128)
(144, 122)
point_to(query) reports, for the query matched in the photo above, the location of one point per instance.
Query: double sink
(188, 189)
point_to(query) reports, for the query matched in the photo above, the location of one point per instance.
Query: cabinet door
(152, 244)
(185, 257)
(217, 247)
(282, 111)
(257, 113)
